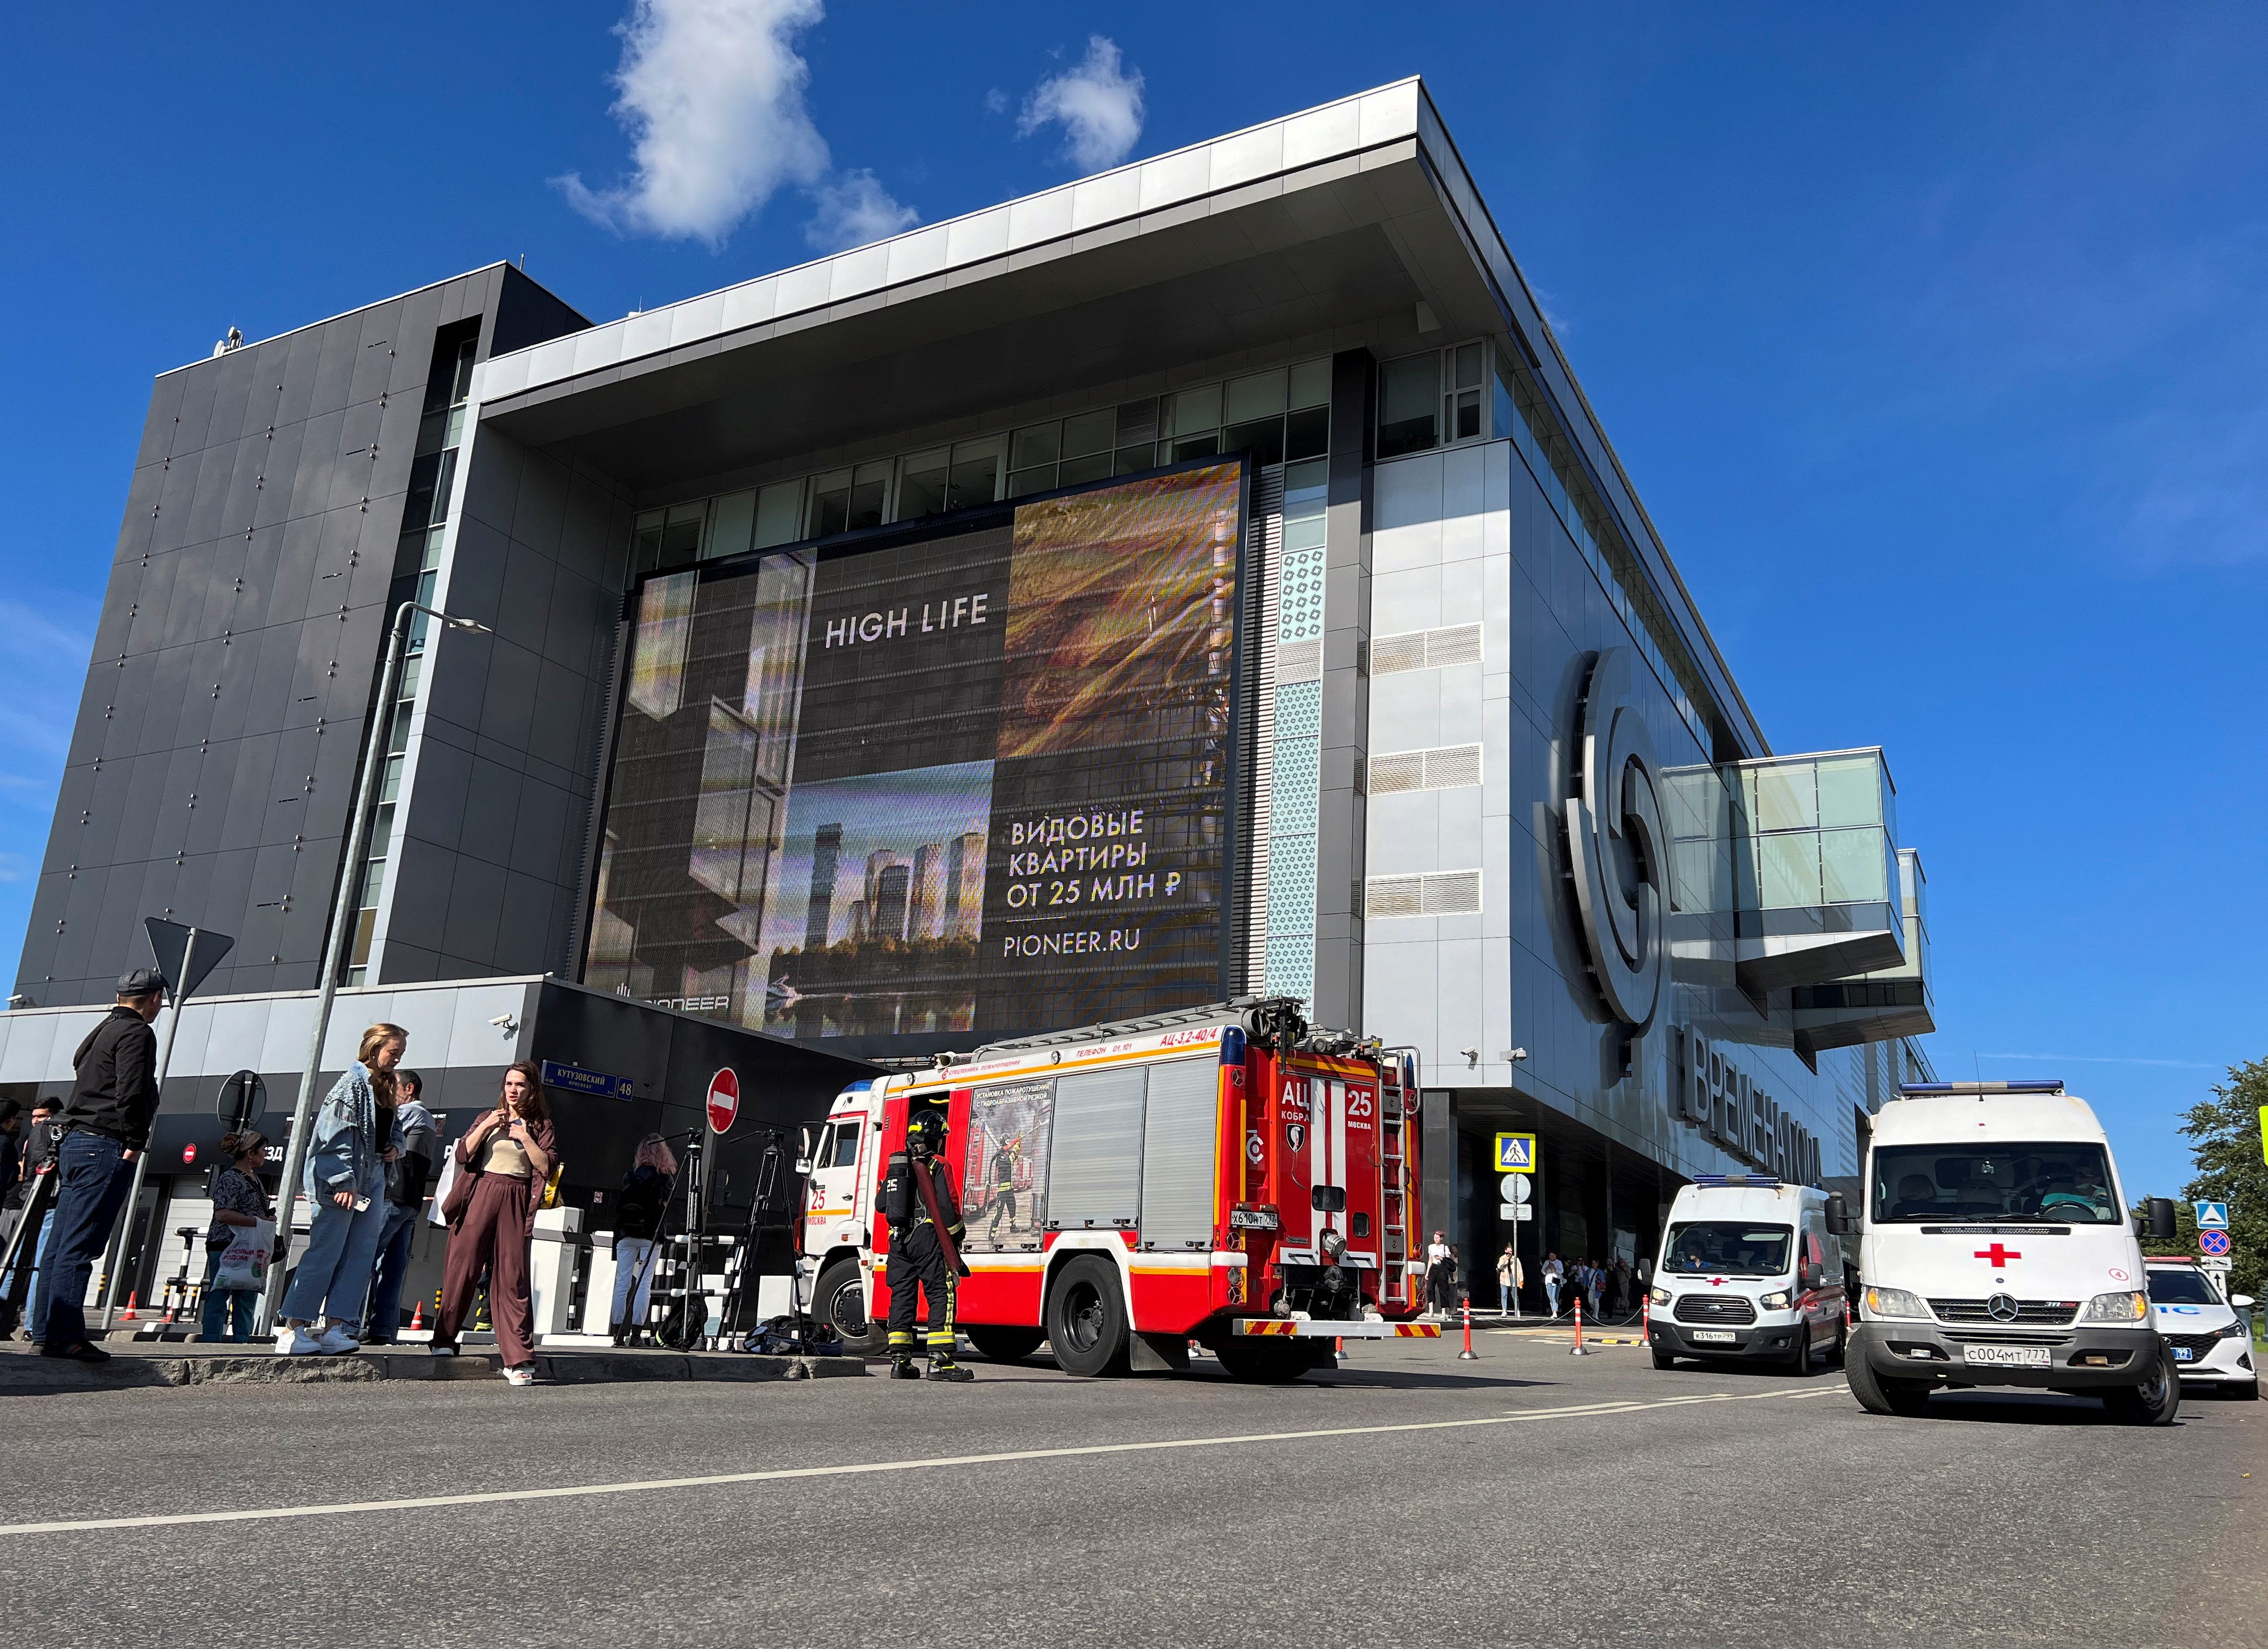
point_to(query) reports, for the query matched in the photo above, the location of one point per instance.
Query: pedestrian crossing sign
(1515, 1154)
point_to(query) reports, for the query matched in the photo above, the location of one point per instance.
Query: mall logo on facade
(1617, 848)
(1717, 1096)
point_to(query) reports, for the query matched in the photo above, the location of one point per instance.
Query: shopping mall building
(1206, 578)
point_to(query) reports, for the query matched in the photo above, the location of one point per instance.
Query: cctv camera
(505, 1023)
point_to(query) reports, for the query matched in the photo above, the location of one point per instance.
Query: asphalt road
(1530, 1498)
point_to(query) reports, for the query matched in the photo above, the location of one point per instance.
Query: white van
(1748, 1269)
(1996, 1250)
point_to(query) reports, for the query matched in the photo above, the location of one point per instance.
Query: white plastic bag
(441, 1187)
(244, 1262)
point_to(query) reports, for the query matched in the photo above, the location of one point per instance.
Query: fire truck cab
(1228, 1176)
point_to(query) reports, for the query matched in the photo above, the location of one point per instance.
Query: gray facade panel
(245, 667)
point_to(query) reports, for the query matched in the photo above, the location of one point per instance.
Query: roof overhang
(1301, 229)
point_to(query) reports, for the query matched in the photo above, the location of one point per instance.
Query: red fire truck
(1227, 1174)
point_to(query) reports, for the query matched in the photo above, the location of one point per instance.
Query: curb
(31, 1375)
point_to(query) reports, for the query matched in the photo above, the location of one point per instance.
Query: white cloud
(996, 101)
(711, 94)
(854, 208)
(1097, 103)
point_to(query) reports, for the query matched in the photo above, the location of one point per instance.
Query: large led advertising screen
(971, 776)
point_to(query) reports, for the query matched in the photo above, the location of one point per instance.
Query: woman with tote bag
(238, 1243)
(503, 1163)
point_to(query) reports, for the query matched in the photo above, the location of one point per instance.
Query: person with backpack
(408, 1171)
(925, 1230)
(638, 1210)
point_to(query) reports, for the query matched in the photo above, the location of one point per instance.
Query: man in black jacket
(105, 1125)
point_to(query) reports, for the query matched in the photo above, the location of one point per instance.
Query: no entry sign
(724, 1099)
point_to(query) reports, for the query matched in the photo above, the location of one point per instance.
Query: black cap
(141, 982)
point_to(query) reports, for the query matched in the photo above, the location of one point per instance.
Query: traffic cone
(418, 1317)
(129, 1315)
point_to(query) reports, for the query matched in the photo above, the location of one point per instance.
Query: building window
(416, 574)
(1410, 405)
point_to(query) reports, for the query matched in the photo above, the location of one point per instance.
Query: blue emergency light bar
(1760, 1181)
(2044, 1085)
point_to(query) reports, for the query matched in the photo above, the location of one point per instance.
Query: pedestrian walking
(638, 1210)
(1555, 1273)
(1594, 1285)
(11, 1152)
(35, 1160)
(502, 1164)
(408, 1172)
(1511, 1278)
(345, 1183)
(1437, 1275)
(240, 1204)
(12, 1183)
(106, 1123)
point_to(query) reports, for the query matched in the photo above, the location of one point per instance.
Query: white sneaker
(520, 1376)
(296, 1342)
(337, 1342)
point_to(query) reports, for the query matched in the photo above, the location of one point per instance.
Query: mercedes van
(1747, 1269)
(1996, 1250)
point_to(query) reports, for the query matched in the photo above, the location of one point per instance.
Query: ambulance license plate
(1716, 1336)
(2007, 1356)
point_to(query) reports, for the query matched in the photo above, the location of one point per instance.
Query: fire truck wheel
(1087, 1318)
(840, 1303)
(1004, 1346)
(1264, 1363)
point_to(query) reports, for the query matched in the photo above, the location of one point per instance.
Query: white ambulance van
(1747, 1270)
(1996, 1250)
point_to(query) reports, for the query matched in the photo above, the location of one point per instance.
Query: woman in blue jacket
(346, 1186)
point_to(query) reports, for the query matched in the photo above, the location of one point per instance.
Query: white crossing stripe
(788, 1474)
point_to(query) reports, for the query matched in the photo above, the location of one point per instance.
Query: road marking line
(1587, 1410)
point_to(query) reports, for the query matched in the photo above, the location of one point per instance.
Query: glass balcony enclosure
(1796, 856)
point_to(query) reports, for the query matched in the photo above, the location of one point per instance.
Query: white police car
(2212, 1344)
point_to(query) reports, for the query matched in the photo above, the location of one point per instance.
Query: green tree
(2224, 1132)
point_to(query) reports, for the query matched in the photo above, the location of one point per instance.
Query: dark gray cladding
(214, 758)
(499, 807)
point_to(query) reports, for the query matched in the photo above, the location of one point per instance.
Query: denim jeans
(1551, 1294)
(334, 1276)
(393, 1240)
(95, 1178)
(634, 1262)
(221, 1305)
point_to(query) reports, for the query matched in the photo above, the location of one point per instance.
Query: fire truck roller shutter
(1095, 1174)
(1180, 1150)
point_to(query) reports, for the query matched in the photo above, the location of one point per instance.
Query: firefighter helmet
(925, 1134)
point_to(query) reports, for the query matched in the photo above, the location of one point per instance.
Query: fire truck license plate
(2015, 1356)
(1720, 1336)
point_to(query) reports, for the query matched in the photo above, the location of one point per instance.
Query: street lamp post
(342, 914)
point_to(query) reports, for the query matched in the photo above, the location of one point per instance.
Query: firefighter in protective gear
(925, 1235)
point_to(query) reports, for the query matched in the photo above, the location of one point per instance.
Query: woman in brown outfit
(508, 1154)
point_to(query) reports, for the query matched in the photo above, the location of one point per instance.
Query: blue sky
(1933, 338)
